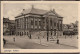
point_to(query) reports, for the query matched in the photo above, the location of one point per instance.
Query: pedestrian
(43, 36)
(57, 41)
(14, 39)
(38, 37)
(77, 37)
(4, 41)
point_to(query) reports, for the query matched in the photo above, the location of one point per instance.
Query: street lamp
(47, 29)
(66, 32)
(30, 34)
(40, 37)
(57, 39)
(51, 34)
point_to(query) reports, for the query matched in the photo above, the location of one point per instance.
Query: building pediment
(52, 13)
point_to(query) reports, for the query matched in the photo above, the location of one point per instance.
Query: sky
(69, 11)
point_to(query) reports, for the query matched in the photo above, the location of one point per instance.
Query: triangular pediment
(52, 13)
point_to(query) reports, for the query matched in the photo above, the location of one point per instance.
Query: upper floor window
(32, 22)
(51, 22)
(35, 22)
(54, 23)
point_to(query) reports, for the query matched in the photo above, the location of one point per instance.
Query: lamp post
(66, 34)
(57, 39)
(51, 34)
(47, 29)
(40, 37)
(30, 34)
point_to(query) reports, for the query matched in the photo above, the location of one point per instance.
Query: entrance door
(54, 32)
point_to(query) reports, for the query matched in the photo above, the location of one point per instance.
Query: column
(42, 24)
(30, 23)
(24, 24)
(61, 28)
(34, 23)
(38, 23)
(53, 24)
(27, 23)
(58, 25)
(20, 23)
(16, 26)
(49, 23)
(45, 23)
(61, 25)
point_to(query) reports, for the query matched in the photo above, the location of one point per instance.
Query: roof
(6, 20)
(37, 11)
(33, 11)
(12, 21)
(57, 14)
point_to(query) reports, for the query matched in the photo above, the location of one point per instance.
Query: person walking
(4, 41)
(14, 39)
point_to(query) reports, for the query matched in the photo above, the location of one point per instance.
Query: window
(51, 22)
(18, 33)
(26, 26)
(54, 23)
(60, 26)
(26, 19)
(25, 33)
(17, 23)
(32, 22)
(35, 22)
(22, 33)
(39, 23)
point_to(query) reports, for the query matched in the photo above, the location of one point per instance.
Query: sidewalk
(11, 46)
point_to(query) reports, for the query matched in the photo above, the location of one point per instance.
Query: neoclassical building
(34, 21)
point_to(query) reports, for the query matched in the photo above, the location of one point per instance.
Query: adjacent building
(76, 28)
(71, 29)
(12, 27)
(8, 26)
(34, 21)
(6, 29)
